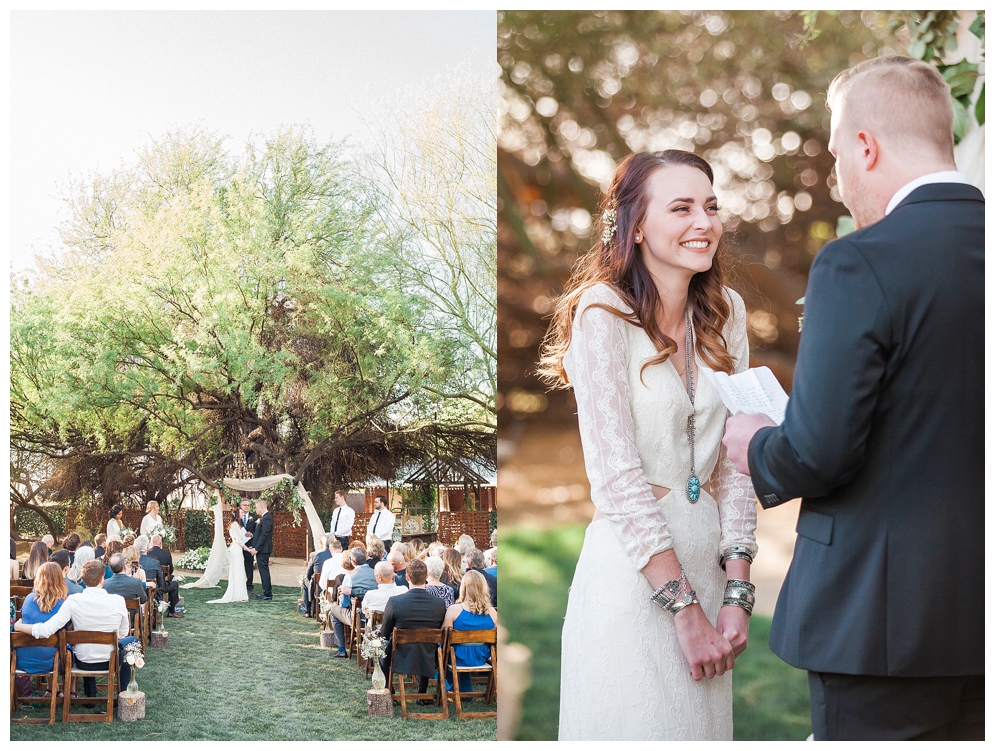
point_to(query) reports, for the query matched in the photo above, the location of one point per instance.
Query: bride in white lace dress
(236, 591)
(635, 668)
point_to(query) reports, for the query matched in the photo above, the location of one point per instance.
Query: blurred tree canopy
(211, 309)
(745, 89)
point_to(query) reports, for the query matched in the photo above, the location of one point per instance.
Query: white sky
(87, 89)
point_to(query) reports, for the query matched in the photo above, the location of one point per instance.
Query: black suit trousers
(247, 558)
(881, 708)
(262, 560)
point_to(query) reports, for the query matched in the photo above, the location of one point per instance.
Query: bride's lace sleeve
(733, 491)
(596, 364)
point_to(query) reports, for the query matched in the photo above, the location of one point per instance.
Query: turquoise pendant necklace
(694, 484)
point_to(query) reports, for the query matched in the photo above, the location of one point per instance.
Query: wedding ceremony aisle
(250, 672)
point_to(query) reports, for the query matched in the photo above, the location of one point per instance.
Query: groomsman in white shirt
(382, 522)
(342, 519)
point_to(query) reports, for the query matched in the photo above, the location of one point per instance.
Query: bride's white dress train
(236, 591)
(623, 675)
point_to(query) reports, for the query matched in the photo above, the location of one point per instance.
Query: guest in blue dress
(49, 593)
(472, 612)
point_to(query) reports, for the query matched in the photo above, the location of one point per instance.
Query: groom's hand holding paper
(755, 400)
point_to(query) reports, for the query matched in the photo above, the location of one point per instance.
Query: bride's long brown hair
(619, 264)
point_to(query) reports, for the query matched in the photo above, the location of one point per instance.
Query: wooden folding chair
(29, 583)
(134, 606)
(22, 592)
(357, 628)
(74, 638)
(18, 639)
(487, 671)
(436, 637)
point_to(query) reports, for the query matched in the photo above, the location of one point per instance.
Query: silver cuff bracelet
(735, 551)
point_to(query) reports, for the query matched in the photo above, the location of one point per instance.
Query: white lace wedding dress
(623, 675)
(236, 591)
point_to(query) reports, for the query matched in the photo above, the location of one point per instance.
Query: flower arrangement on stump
(160, 636)
(374, 647)
(325, 616)
(133, 656)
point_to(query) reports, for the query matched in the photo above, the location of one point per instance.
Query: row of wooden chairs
(446, 640)
(63, 666)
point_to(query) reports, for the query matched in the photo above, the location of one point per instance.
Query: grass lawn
(252, 671)
(770, 698)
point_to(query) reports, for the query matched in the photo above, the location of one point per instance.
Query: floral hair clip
(608, 219)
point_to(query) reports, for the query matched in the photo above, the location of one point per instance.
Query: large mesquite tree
(208, 306)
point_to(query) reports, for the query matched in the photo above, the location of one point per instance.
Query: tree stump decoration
(328, 639)
(131, 706)
(159, 638)
(379, 703)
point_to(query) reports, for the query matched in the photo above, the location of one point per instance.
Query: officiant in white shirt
(382, 522)
(342, 519)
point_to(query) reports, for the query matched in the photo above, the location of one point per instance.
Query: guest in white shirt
(333, 566)
(382, 522)
(342, 519)
(376, 599)
(93, 609)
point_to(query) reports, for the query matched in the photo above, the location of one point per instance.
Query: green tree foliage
(437, 198)
(208, 305)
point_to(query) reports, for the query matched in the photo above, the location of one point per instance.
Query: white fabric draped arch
(217, 562)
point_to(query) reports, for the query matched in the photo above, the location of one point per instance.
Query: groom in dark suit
(883, 438)
(248, 521)
(261, 546)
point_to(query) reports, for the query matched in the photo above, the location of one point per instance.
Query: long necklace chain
(694, 484)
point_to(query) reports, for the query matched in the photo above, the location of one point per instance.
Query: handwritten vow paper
(755, 390)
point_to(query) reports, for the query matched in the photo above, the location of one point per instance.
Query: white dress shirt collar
(946, 176)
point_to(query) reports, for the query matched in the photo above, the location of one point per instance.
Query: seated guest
(472, 612)
(44, 601)
(83, 555)
(70, 543)
(464, 543)
(376, 599)
(409, 550)
(400, 566)
(36, 559)
(15, 567)
(131, 565)
(49, 542)
(416, 608)
(122, 583)
(490, 558)
(375, 551)
(127, 541)
(93, 609)
(156, 551)
(453, 574)
(435, 567)
(418, 547)
(475, 562)
(333, 566)
(99, 541)
(61, 559)
(152, 566)
(317, 560)
(361, 581)
(112, 548)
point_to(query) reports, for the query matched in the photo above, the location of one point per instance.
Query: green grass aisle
(770, 698)
(252, 671)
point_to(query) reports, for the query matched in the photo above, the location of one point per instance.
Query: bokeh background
(746, 90)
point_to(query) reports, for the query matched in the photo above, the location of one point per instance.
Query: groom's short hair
(261, 502)
(904, 100)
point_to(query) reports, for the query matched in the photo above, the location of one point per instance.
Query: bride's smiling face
(681, 228)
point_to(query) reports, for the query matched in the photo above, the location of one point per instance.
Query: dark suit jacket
(153, 572)
(262, 536)
(126, 586)
(417, 608)
(163, 556)
(491, 586)
(884, 441)
(250, 525)
(317, 561)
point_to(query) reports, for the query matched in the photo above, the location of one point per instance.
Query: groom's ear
(869, 150)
